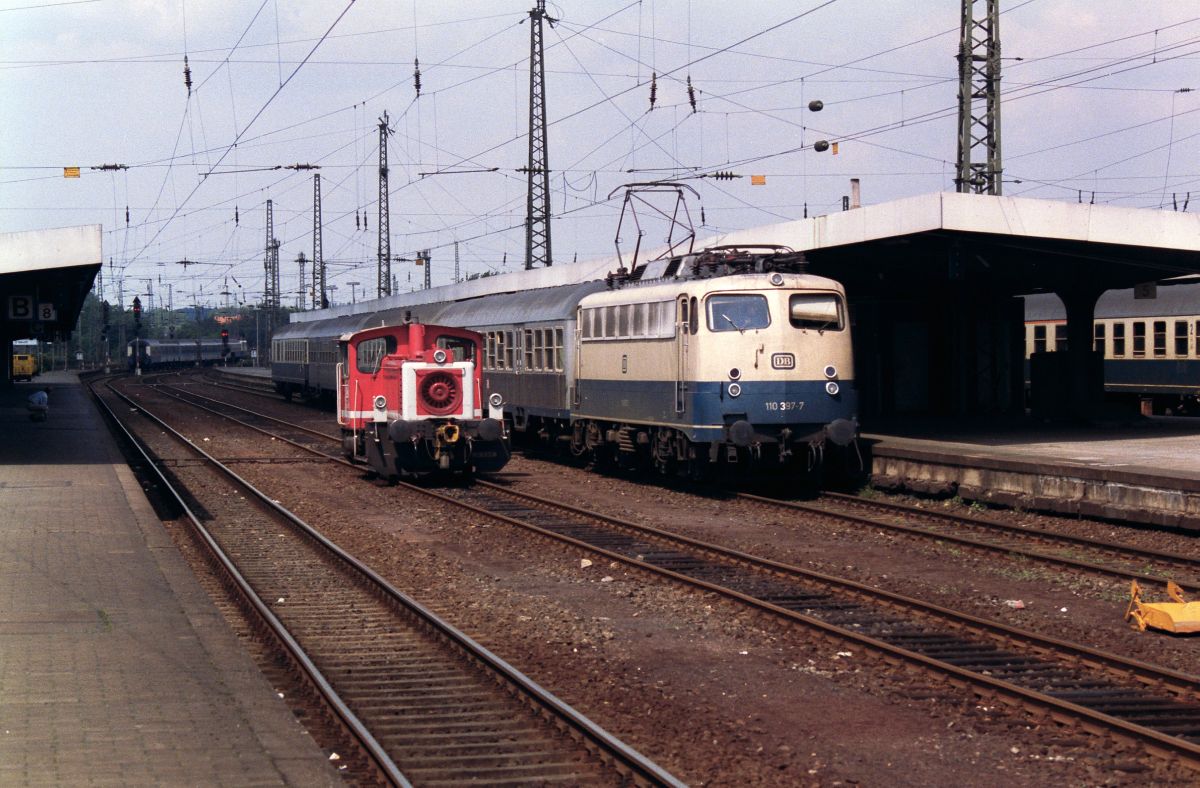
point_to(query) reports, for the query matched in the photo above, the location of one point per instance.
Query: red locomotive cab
(409, 400)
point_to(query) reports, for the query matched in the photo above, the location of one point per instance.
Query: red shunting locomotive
(410, 401)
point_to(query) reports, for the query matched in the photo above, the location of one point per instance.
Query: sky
(1100, 103)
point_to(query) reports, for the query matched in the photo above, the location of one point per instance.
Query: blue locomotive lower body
(707, 411)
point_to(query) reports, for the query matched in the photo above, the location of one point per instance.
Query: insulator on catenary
(187, 75)
(702, 220)
(653, 89)
(417, 76)
(364, 220)
(126, 215)
(691, 93)
(236, 218)
(357, 224)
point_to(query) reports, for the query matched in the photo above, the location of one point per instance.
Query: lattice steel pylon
(979, 99)
(271, 285)
(320, 298)
(537, 204)
(384, 273)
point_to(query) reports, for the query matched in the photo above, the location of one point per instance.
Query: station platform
(115, 667)
(1141, 470)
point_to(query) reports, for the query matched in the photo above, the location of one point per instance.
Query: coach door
(683, 311)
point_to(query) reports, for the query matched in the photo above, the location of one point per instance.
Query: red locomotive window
(459, 349)
(370, 352)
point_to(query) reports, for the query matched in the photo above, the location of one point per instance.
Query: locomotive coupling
(448, 433)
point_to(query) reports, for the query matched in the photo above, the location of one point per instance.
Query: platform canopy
(44, 277)
(1009, 245)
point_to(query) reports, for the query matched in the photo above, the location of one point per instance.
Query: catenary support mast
(384, 272)
(537, 205)
(979, 164)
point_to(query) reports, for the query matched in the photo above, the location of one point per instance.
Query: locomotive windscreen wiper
(729, 320)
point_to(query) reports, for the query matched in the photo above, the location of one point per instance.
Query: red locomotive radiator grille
(439, 392)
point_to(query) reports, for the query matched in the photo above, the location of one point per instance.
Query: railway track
(1097, 556)
(1099, 691)
(1102, 692)
(426, 704)
(1074, 553)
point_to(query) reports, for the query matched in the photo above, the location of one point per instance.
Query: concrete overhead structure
(44, 277)
(934, 283)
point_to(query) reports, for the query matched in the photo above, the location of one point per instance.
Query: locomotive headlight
(439, 356)
(831, 371)
(735, 389)
(735, 374)
(380, 402)
(777, 279)
(495, 399)
(832, 388)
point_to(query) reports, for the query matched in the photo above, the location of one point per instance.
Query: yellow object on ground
(1175, 616)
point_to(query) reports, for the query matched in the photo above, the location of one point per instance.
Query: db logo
(783, 361)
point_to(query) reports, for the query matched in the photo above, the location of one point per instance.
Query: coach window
(510, 350)
(1139, 339)
(1118, 336)
(1197, 337)
(558, 350)
(1160, 337)
(1060, 337)
(529, 349)
(1181, 338)
(1098, 339)
(822, 311)
(1039, 338)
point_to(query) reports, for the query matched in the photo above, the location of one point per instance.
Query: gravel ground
(714, 693)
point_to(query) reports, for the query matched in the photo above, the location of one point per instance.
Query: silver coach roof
(552, 303)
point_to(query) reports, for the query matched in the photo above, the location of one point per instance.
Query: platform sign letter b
(20, 307)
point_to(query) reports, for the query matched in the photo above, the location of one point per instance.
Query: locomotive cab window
(459, 349)
(370, 352)
(732, 312)
(816, 310)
